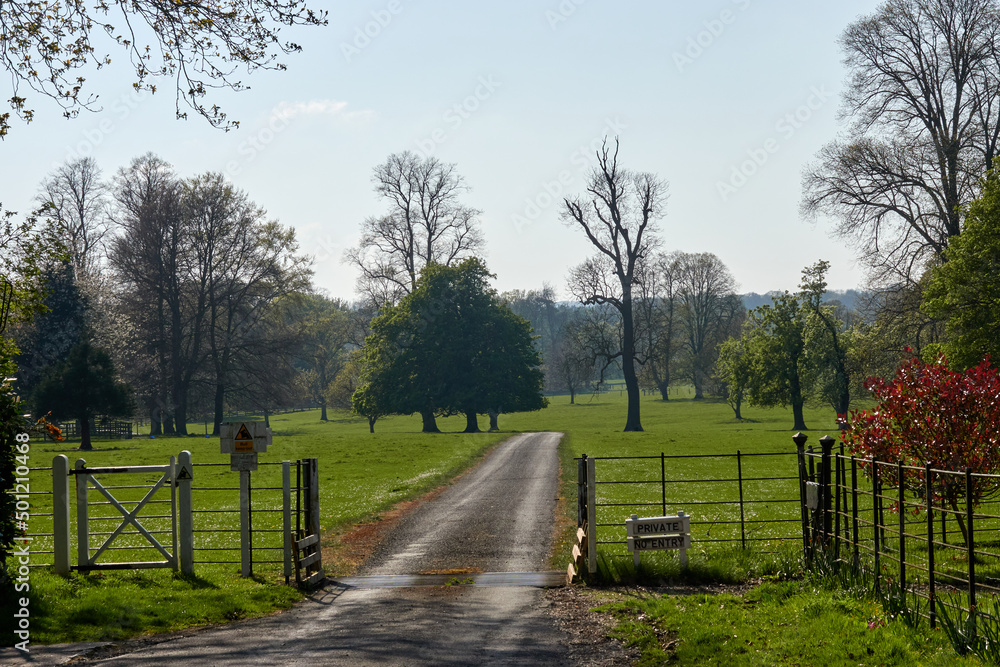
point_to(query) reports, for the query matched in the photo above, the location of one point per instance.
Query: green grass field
(364, 475)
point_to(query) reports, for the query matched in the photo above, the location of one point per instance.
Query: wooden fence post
(82, 516)
(60, 514)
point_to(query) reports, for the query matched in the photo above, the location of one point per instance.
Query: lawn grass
(775, 623)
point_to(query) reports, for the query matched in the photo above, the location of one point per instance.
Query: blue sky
(726, 100)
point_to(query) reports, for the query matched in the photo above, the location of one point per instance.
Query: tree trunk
(371, 425)
(664, 388)
(737, 404)
(699, 385)
(471, 423)
(494, 426)
(797, 401)
(572, 396)
(322, 410)
(85, 444)
(800, 422)
(168, 423)
(632, 420)
(180, 418)
(959, 516)
(155, 427)
(429, 423)
(220, 394)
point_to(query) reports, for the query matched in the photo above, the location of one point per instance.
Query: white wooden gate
(177, 553)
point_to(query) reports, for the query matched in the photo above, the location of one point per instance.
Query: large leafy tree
(449, 347)
(324, 351)
(775, 345)
(928, 414)
(83, 386)
(44, 46)
(46, 340)
(965, 290)
(828, 341)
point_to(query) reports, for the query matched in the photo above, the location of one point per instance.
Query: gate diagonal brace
(130, 517)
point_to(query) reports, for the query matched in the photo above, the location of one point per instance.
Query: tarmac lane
(420, 600)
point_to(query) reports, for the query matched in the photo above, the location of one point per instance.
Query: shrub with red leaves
(930, 414)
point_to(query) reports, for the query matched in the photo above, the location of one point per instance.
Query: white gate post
(286, 505)
(591, 518)
(60, 513)
(82, 516)
(185, 512)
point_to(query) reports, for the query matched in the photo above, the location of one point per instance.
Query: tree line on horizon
(908, 184)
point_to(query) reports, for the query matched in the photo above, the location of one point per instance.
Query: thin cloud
(332, 108)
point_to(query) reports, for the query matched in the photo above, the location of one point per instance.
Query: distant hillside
(852, 299)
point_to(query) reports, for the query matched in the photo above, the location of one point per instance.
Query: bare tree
(619, 216)
(425, 224)
(571, 365)
(924, 104)
(706, 292)
(78, 202)
(149, 263)
(242, 263)
(658, 323)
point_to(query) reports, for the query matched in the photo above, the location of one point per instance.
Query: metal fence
(741, 498)
(927, 540)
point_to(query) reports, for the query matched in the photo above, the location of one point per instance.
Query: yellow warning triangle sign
(243, 434)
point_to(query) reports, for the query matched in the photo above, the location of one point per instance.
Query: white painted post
(245, 523)
(286, 506)
(60, 513)
(185, 512)
(591, 518)
(684, 552)
(82, 517)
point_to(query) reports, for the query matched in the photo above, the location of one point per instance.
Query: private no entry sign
(659, 533)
